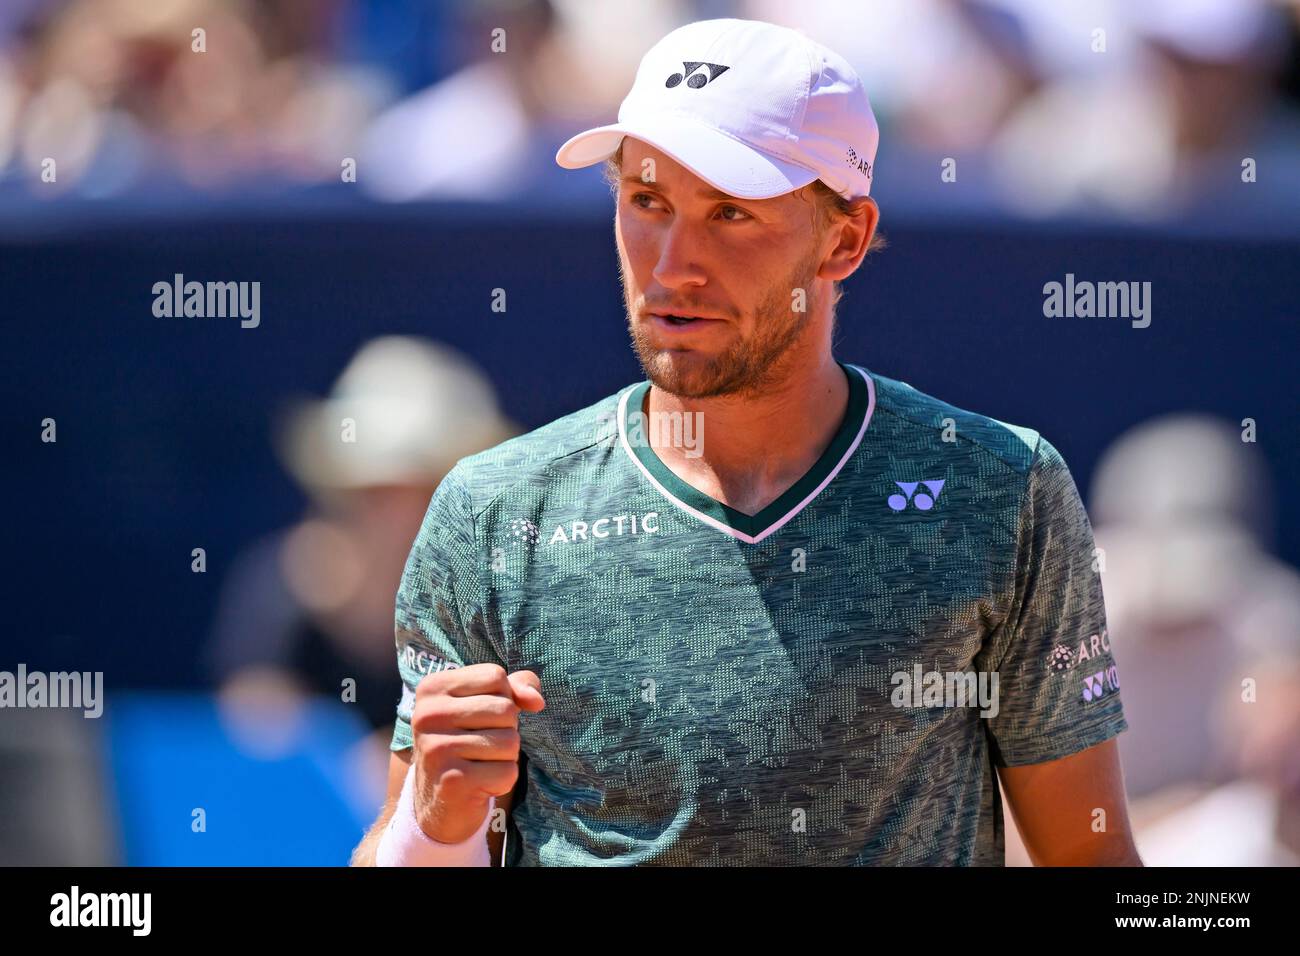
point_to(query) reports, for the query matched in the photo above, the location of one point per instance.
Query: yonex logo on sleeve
(922, 501)
(1096, 686)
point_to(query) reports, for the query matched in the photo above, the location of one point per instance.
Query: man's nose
(679, 262)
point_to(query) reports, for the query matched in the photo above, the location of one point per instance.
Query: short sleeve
(1058, 685)
(434, 622)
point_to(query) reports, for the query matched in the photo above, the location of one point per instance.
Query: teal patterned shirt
(783, 688)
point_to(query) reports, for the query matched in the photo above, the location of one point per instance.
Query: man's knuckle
(428, 684)
(503, 707)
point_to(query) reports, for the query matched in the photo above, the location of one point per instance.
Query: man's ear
(856, 228)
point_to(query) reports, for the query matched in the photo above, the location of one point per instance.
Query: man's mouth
(679, 320)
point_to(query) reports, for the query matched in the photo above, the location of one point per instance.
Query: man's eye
(637, 197)
(741, 214)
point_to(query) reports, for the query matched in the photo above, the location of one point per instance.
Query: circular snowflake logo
(524, 530)
(1062, 658)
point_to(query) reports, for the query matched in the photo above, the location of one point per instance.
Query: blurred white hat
(1182, 469)
(403, 412)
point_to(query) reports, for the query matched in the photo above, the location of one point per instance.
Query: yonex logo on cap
(696, 80)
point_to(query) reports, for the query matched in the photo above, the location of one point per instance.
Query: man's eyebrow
(631, 179)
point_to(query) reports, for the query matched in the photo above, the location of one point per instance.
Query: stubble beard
(746, 366)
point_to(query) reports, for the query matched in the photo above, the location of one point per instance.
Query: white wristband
(405, 844)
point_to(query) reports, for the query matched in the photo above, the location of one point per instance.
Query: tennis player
(766, 606)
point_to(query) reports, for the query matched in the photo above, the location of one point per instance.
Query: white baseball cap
(754, 109)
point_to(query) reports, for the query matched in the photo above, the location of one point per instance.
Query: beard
(748, 365)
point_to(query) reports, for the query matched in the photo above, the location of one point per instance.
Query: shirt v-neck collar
(751, 528)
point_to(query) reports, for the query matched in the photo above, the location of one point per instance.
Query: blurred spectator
(1196, 608)
(1164, 114)
(1092, 107)
(539, 69)
(309, 608)
(1087, 107)
(118, 93)
(466, 136)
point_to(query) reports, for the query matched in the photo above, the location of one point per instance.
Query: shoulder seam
(971, 441)
(1014, 570)
(573, 451)
(599, 439)
(1029, 473)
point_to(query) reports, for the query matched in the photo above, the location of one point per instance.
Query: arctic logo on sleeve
(1065, 657)
(1062, 658)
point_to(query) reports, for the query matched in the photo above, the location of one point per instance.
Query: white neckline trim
(789, 515)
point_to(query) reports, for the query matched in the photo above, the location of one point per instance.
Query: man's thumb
(527, 688)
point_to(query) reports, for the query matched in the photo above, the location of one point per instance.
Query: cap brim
(727, 164)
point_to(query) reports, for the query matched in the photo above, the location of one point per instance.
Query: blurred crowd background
(1046, 115)
(1141, 140)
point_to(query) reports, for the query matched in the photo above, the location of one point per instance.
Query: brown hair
(830, 206)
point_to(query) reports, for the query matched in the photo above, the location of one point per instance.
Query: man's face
(687, 249)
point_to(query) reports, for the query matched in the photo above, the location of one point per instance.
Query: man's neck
(754, 448)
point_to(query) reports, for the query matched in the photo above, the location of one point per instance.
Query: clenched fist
(466, 750)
